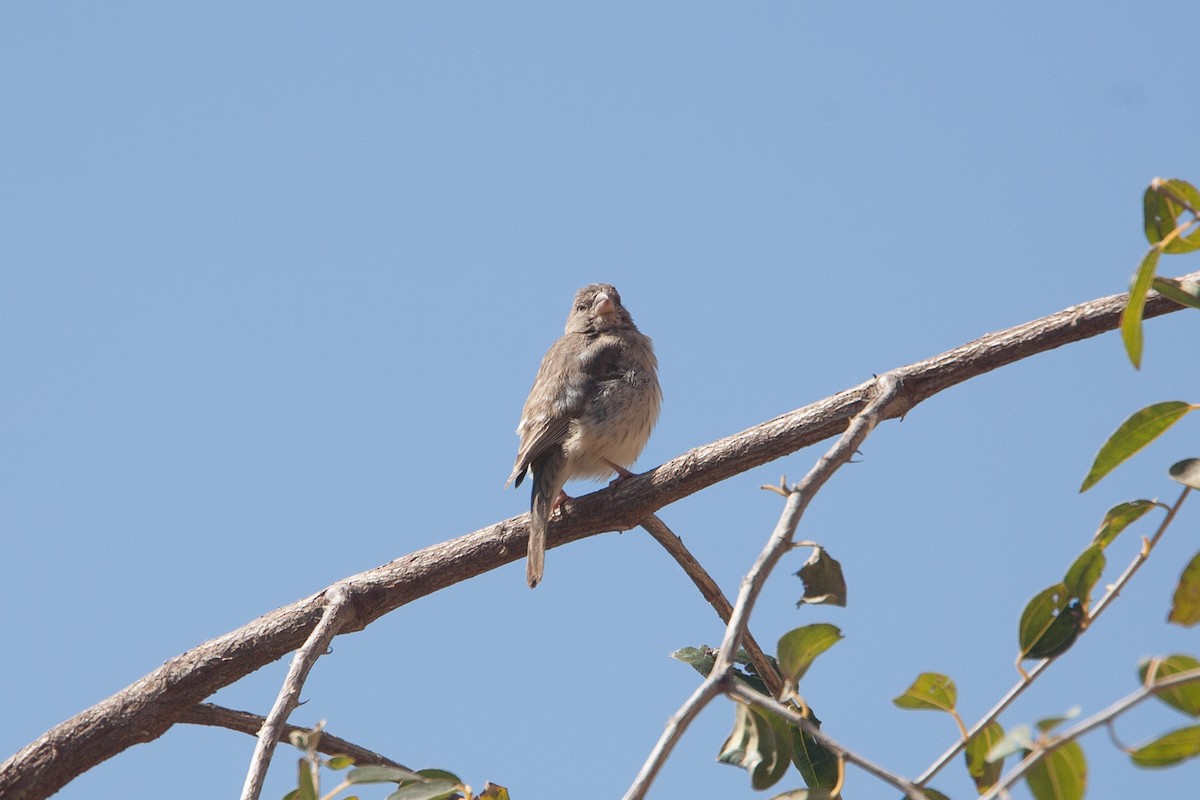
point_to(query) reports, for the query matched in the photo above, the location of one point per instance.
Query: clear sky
(276, 279)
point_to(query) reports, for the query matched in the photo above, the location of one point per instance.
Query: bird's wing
(565, 381)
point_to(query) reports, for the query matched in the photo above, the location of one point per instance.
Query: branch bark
(248, 723)
(145, 710)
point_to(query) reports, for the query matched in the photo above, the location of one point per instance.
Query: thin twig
(1113, 590)
(713, 594)
(740, 691)
(247, 722)
(337, 603)
(1138, 560)
(1096, 720)
(885, 390)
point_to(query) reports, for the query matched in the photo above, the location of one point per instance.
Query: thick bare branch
(144, 710)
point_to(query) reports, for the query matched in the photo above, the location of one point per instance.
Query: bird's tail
(548, 480)
(535, 566)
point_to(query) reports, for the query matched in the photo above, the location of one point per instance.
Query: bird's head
(598, 308)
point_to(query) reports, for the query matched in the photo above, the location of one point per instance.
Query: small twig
(1138, 560)
(713, 594)
(1027, 678)
(884, 390)
(1096, 720)
(987, 719)
(247, 722)
(337, 603)
(740, 691)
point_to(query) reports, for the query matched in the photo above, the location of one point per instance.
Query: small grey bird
(591, 409)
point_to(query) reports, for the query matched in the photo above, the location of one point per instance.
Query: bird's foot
(558, 501)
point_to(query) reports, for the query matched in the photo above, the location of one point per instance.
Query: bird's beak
(604, 304)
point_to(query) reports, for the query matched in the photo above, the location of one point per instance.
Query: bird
(590, 412)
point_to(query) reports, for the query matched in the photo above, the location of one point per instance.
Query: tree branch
(144, 710)
(248, 723)
(885, 391)
(337, 603)
(1000, 789)
(1028, 678)
(740, 691)
(713, 594)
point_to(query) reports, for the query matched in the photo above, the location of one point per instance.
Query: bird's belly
(616, 431)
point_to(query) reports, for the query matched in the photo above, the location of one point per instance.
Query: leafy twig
(740, 691)
(1096, 720)
(1026, 680)
(884, 394)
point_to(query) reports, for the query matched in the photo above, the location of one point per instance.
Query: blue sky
(277, 279)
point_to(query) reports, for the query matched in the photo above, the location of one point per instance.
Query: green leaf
(823, 580)
(818, 765)
(985, 773)
(704, 657)
(307, 789)
(1164, 206)
(294, 794)
(429, 790)
(700, 658)
(1185, 603)
(930, 691)
(804, 794)
(1176, 746)
(1134, 434)
(379, 773)
(1158, 218)
(437, 774)
(1186, 293)
(1131, 315)
(782, 731)
(1119, 517)
(1185, 697)
(1084, 572)
(1050, 623)
(821, 794)
(1060, 775)
(758, 744)
(1186, 472)
(339, 762)
(799, 648)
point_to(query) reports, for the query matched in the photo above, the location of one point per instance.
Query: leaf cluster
(424, 784)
